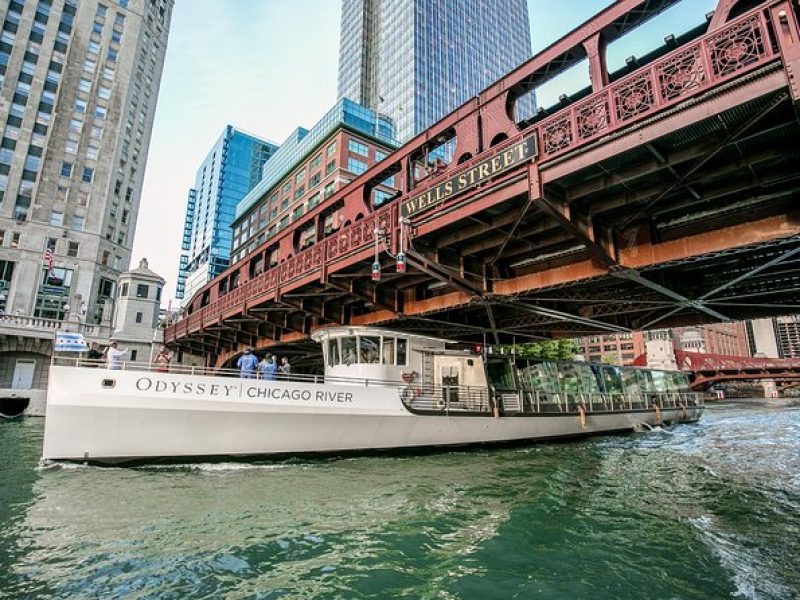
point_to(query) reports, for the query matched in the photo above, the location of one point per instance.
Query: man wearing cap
(247, 363)
(115, 356)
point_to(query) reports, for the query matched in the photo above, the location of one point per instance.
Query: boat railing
(438, 398)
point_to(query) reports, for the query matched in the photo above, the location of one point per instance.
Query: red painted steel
(722, 55)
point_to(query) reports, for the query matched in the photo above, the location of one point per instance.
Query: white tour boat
(380, 390)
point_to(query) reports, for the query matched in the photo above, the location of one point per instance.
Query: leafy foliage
(549, 349)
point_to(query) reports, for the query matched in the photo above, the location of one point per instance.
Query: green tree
(548, 349)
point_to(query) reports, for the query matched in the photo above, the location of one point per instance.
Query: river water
(710, 510)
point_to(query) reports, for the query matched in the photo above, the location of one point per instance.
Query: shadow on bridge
(664, 195)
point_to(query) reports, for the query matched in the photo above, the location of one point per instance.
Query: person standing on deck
(115, 356)
(247, 364)
(162, 360)
(285, 369)
(268, 367)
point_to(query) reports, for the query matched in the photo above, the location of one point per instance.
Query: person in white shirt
(115, 356)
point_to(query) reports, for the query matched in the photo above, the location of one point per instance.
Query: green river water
(710, 510)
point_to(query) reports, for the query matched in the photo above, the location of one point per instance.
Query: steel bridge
(664, 194)
(708, 369)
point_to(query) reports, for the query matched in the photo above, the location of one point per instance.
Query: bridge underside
(690, 218)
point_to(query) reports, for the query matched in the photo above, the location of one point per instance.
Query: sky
(269, 66)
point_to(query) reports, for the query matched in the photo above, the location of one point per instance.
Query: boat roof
(336, 332)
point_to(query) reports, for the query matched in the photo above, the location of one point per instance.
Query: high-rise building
(306, 171)
(418, 60)
(762, 337)
(79, 87)
(230, 170)
(789, 336)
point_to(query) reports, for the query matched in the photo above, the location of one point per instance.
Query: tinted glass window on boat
(388, 351)
(349, 356)
(369, 350)
(612, 378)
(402, 345)
(333, 352)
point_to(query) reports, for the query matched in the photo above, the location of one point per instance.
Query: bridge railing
(741, 46)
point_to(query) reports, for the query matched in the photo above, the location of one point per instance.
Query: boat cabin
(393, 357)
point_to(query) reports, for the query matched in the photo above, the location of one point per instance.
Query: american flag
(48, 260)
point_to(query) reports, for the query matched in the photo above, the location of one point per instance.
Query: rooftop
(302, 141)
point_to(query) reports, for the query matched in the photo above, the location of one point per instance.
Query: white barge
(380, 390)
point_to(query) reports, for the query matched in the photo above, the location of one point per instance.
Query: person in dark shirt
(94, 355)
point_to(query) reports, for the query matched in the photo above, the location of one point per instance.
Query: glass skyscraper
(418, 60)
(231, 169)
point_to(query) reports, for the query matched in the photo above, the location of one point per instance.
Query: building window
(134, 354)
(52, 298)
(123, 292)
(331, 149)
(357, 147)
(139, 317)
(57, 218)
(72, 249)
(142, 291)
(356, 166)
(66, 169)
(88, 172)
(330, 167)
(300, 176)
(15, 240)
(379, 155)
(329, 189)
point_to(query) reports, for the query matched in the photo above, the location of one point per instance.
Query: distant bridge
(707, 369)
(666, 193)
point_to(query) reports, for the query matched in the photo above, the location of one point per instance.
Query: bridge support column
(595, 48)
(770, 388)
(785, 19)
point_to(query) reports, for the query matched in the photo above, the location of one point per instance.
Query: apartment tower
(79, 81)
(418, 60)
(230, 170)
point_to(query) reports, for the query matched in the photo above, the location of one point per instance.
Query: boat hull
(148, 416)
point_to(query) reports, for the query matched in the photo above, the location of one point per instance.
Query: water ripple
(701, 511)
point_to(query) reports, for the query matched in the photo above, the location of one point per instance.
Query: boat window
(388, 351)
(646, 381)
(369, 350)
(660, 381)
(402, 346)
(612, 378)
(450, 384)
(333, 352)
(631, 381)
(570, 378)
(501, 375)
(680, 382)
(349, 350)
(540, 377)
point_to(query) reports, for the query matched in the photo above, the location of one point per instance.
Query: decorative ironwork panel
(344, 242)
(333, 247)
(593, 116)
(633, 96)
(681, 74)
(316, 255)
(737, 47)
(356, 232)
(557, 134)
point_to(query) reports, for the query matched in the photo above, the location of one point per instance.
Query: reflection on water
(708, 510)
